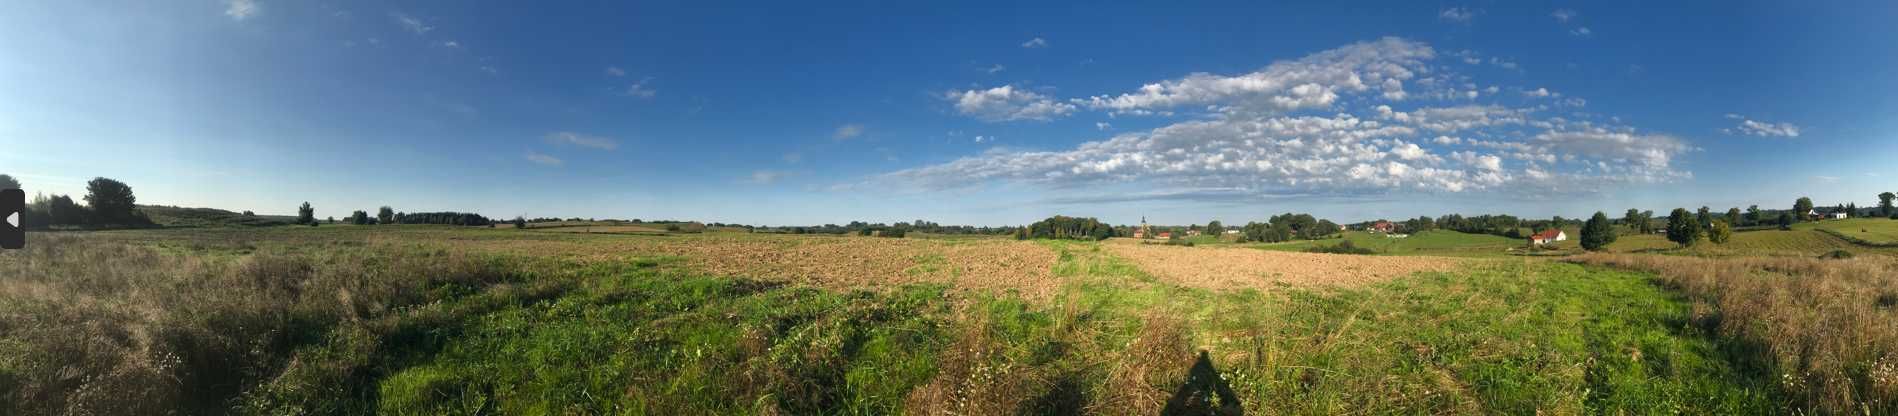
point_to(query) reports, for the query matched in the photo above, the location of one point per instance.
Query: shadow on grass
(1204, 393)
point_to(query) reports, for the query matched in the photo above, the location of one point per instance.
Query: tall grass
(1825, 330)
(89, 326)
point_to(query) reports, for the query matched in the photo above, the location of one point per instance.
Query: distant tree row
(1061, 227)
(1287, 227)
(109, 203)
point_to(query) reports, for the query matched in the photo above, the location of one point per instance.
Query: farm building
(1383, 226)
(1548, 237)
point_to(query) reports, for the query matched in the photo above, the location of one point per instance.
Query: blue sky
(963, 112)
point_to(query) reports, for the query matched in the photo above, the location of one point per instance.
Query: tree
(518, 222)
(112, 202)
(385, 215)
(7, 182)
(1720, 232)
(1800, 208)
(1704, 217)
(1681, 228)
(247, 213)
(306, 214)
(1786, 221)
(1647, 222)
(61, 210)
(1754, 216)
(1632, 219)
(1884, 204)
(359, 218)
(1597, 233)
(1214, 228)
(1733, 216)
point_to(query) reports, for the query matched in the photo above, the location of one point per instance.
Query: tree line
(109, 203)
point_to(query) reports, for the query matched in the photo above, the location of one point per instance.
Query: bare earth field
(1221, 268)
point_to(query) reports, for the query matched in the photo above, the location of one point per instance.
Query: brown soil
(1242, 268)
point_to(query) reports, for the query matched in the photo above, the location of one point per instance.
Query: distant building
(1838, 215)
(1383, 226)
(1232, 232)
(1548, 237)
(1166, 234)
(1192, 233)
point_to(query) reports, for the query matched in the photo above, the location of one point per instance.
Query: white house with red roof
(1548, 237)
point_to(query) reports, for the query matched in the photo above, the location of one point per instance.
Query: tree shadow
(1204, 393)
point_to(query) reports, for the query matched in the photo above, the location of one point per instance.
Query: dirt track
(1240, 268)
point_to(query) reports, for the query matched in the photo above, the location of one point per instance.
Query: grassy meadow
(450, 320)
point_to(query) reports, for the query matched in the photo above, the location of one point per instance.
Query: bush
(1344, 247)
(1836, 255)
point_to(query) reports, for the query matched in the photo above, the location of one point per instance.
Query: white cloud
(996, 68)
(1752, 127)
(1458, 15)
(580, 139)
(847, 131)
(984, 139)
(640, 90)
(615, 71)
(1581, 31)
(793, 157)
(1502, 63)
(1540, 93)
(1035, 43)
(240, 9)
(1315, 81)
(1326, 124)
(490, 70)
(1103, 126)
(451, 44)
(765, 177)
(1006, 103)
(1563, 15)
(411, 24)
(543, 159)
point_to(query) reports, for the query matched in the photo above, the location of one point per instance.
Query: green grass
(1428, 243)
(1880, 231)
(651, 336)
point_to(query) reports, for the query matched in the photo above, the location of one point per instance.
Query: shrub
(1836, 255)
(1343, 247)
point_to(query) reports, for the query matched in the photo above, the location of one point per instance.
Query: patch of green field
(1801, 241)
(1871, 230)
(1427, 243)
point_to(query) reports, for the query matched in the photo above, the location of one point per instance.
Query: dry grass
(1239, 268)
(1827, 330)
(835, 262)
(91, 327)
(975, 377)
(1140, 382)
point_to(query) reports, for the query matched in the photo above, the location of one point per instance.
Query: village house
(1383, 226)
(1548, 237)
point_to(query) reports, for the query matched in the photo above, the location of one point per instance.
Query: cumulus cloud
(1752, 127)
(1035, 43)
(1458, 15)
(1313, 82)
(568, 138)
(240, 9)
(411, 23)
(1563, 15)
(640, 90)
(1364, 118)
(847, 131)
(1006, 103)
(543, 159)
